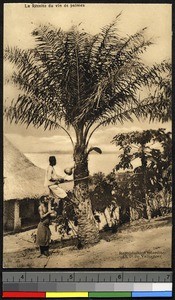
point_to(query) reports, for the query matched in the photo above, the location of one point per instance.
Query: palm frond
(81, 79)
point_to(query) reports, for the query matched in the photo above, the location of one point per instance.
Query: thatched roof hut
(23, 186)
(22, 179)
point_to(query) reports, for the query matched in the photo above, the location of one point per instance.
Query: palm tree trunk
(87, 230)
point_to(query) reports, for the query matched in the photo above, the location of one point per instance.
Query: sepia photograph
(87, 135)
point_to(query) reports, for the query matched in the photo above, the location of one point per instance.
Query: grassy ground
(141, 244)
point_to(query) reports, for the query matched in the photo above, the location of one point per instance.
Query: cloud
(44, 144)
(55, 139)
(61, 142)
(105, 135)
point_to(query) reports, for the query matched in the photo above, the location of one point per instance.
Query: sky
(19, 21)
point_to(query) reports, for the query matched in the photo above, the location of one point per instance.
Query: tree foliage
(100, 191)
(77, 79)
(154, 149)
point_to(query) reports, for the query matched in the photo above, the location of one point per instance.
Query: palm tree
(72, 79)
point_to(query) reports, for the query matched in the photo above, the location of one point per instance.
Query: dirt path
(142, 244)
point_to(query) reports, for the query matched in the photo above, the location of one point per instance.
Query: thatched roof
(22, 179)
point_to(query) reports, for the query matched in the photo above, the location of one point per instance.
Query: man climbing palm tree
(52, 179)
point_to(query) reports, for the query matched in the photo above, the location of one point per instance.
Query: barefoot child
(43, 232)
